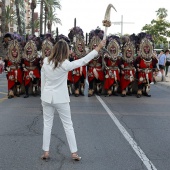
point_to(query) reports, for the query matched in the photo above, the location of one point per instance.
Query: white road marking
(3, 93)
(149, 165)
(2, 99)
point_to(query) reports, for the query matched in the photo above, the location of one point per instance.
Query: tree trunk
(33, 29)
(45, 23)
(33, 6)
(41, 17)
(49, 27)
(18, 17)
(3, 17)
(6, 28)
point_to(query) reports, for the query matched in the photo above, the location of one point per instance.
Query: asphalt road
(113, 133)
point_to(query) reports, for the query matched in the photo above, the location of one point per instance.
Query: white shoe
(152, 83)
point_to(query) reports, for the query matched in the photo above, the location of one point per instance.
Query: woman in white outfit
(54, 93)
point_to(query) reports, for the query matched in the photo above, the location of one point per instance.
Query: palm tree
(41, 16)
(36, 24)
(54, 4)
(45, 19)
(33, 6)
(17, 2)
(9, 17)
(47, 5)
(162, 13)
(3, 17)
(52, 19)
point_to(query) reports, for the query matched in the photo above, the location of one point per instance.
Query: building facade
(25, 15)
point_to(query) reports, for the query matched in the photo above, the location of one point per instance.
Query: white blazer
(54, 81)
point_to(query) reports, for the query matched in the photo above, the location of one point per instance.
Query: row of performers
(108, 71)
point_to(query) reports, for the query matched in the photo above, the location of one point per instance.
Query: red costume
(13, 68)
(111, 65)
(79, 74)
(127, 77)
(95, 70)
(31, 67)
(145, 65)
(111, 74)
(127, 67)
(31, 70)
(95, 66)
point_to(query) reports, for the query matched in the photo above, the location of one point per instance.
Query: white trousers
(65, 115)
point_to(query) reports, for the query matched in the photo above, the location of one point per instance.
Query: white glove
(8, 69)
(25, 69)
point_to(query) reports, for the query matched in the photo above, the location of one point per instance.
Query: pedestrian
(167, 62)
(155, 59)
(54, 93)
(162, 61)
(157, 75)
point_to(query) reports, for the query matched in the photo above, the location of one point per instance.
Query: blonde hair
(60, 53)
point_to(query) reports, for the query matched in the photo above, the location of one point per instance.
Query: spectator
(155, 59)
(162, 61)
(167, 62)
(157, 76)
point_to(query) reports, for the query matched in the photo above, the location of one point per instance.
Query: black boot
(147, 95)
(26, 91)
(138, 95)
(26, 96)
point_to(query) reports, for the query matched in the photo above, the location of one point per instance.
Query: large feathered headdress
(75, 31)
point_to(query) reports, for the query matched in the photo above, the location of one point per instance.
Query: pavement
(165, 83)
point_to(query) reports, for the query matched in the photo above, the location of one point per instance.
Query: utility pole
(121, 23)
